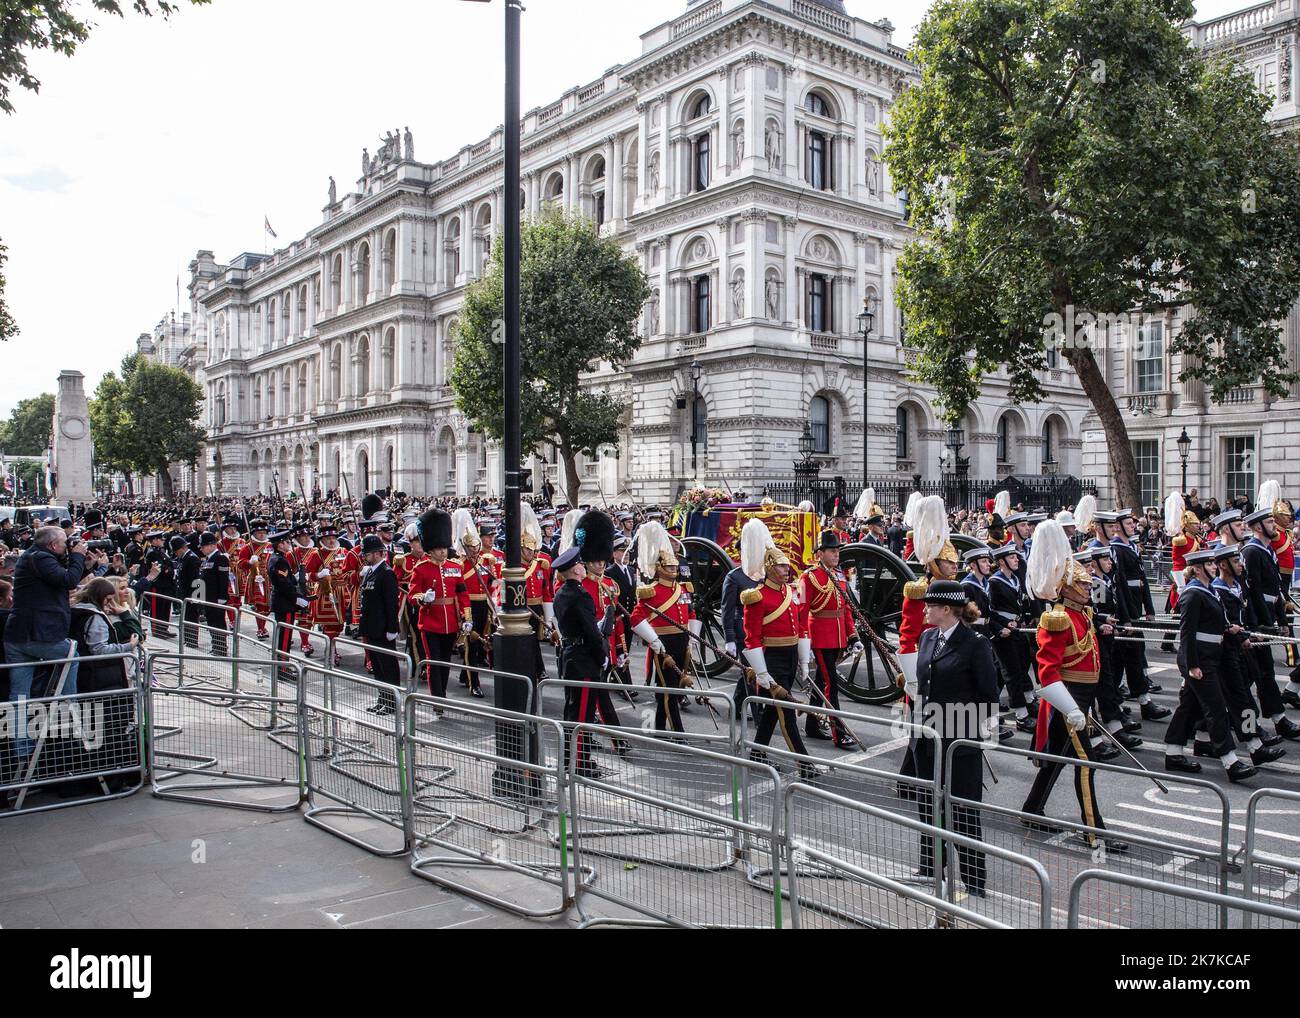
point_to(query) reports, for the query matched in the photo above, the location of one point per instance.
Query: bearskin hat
(435, 530)
(594, 536)
(371, 506)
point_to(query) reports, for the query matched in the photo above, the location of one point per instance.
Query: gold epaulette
(751, 596)
(689, 587)
(645, 592)
(1180, 540)
(1057, 620)
(915, 590)
(399, 561)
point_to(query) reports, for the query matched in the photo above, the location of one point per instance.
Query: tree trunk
(572, 482)
(1123, 468)
(165, 484)
(130, 485)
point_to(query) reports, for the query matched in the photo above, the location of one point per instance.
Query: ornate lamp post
(866, 319)
(954, 440)
(807, 469)
(1184, 443)
(696, 371)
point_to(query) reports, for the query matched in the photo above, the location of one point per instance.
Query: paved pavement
(145, 862)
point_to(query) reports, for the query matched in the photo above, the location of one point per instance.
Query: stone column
(723, 316)
(756, 228)
(614, 181)
(755, 89)
(666, 167)
(792, 290)
(611, 175)
(466, 242)
(643, 155)
(793, 149)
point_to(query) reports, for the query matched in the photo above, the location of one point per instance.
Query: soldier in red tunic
(776, 646)
(438, 585)
(254, 558)
(539, 593)
(300, 551)
(1181, 527)
(408, 610)
(665, 620)
(331, 572)
(481, 573)
(1270, 497)
(831, 629)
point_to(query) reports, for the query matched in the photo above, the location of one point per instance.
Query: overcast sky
(158, 138)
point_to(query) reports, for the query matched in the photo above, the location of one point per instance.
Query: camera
(105, 546)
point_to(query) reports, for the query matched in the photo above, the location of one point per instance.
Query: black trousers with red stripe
(284, 640)
(824, 659)
(579, 708)
(437, 649)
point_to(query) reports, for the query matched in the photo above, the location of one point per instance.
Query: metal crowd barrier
(420, 676)
(356, 774)
(83, 747)
(1061, 848)
(488, 792)
(204, 748)
(1272, 879)
(1223, 904)
(679, 815)
(845, 868)
(723, 714)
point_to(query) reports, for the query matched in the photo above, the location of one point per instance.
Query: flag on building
(266, 223)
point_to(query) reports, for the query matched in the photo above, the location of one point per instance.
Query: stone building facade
(739, 158)
(1252, 436)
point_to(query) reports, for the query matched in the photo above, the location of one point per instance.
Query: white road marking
(1191, 819)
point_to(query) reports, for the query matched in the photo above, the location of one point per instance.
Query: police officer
(286, 600)
(956, 698)
(583, 647)
(163, 589)
(214, 575)
(378, 593)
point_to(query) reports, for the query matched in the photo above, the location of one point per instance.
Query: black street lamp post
(696, 372)
(807, 469)
(1184, 443)
(866, 319)
(955, 439)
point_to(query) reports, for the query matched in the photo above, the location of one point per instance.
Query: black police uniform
(188, 586)
(1007, 606)
(582, 658)
(214, 573)
(160, 607)
(1133, 593)
(954, 671)
(284, 603)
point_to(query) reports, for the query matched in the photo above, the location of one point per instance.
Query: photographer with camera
(38, 626)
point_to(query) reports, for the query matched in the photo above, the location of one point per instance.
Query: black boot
(1266, 754)
(1181, 763)
(1154, 712)
(1240, 771)
(1287, 728)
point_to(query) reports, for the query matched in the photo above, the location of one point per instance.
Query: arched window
(388, 261)
(302, 389)
(1049, 444)
(363, 273)
(598, 192)
(817, 104)
(452, 249)
(221, 404)
(701, 311)
(270, 397)
(819, 422)
(819, 161)
(820, 313)
(257, 400)
(554, 192)
(336, 282)
(902, 443)
(302, 309)
(1004, 439)
(270, 323)
(336, 373)
(700, 107)
(702, 148)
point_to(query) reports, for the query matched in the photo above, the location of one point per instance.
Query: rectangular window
(820, 425)
(701, 162)
(600, 209)
(818, 303)
(1239, 467)
(1146, 454)
(702, 312)
(900, 433)
(818, 168)
(1149, 358)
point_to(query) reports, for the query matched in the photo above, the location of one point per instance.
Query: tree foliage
(57, 25)
(27, 433)
(580, 298)
(147, 419)
(1062, 157)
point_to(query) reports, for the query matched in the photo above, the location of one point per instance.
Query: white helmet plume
(909, 513)
(1049, 560)
(464, 531)
(653, 548)
(1174, 508)
(930, 531)
(571, 519)
(1085, 511)
(1002, 504)
(754, 541)
(1270, 494)
(865, 501)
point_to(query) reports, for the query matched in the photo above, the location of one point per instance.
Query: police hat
(207, 538)
(177, 542)
(371, 543)
(567, 559)
(946, 592)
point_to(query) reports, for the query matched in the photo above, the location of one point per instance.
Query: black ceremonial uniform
(160, 609)
(1264, 591)
(1105, 611)
(978, 591)
(188, 586)
(582, 659)
(214, 574)
(1203, 623)
(1236, 663)
(734, 584)
(378, 624)
(1133, 594)
(956, 670)
(1007, 606)
(284, 601)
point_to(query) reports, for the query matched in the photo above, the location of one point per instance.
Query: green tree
(58, 25)
(110, 427)
(146, 420)
(1076, 158)
(27, 433)
(580, 297)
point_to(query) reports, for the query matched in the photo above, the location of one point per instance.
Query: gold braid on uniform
(751, 596)
(1054, 620)
(645, 592)
(915, 590)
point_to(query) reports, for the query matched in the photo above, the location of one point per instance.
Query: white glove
(908, 663)
(303, 603)
(657, 645)
(391, 636)
(1075, 720)
(730, 648)
(805, 656)
(694, 627)
(855, 647)
(646, 631)
(1059, 697)
(621, 661)
(764, 680)
(757, 660)
(428, 597)
(548, 612)
(465, 627)
(323, 574)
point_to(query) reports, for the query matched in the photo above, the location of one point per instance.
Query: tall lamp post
(954, 440)
(807, 469)
(866, 319)
(696, 372)
(1184, 443)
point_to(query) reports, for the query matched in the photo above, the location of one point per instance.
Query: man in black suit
(379, 618)
(214, 575)
(734, 584)
(286, 601)
(957, 698)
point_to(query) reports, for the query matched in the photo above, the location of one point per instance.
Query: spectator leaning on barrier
(93, 616)
(39, 623)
